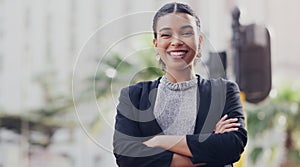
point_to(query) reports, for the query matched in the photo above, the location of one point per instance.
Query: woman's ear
(200, 41)
(199, 55)
(155, 42)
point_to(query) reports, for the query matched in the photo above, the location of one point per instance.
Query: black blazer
(136, 123)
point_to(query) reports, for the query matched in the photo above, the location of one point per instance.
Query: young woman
(180, 119)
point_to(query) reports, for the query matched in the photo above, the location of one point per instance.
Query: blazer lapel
(204, 100)
(152, 127)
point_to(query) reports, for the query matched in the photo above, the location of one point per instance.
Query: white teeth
(177, 53)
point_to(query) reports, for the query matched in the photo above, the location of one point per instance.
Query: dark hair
(174, 8)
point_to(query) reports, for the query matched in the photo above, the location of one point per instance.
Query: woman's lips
(177, 54)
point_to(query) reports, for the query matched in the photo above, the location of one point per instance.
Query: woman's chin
(178, 67)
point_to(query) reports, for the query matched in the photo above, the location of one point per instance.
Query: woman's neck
(180, 75)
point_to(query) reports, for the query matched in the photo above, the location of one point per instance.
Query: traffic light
(252, 59)
(254, 62)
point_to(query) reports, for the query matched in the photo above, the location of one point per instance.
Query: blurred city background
(63, 62)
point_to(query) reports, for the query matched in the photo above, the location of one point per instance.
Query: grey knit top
(176, 107)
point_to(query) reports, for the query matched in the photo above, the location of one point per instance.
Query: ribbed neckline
(178, 86)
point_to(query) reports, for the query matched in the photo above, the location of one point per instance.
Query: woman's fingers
(224, 117)
(221, 122)
(228, 125)
(230, 130)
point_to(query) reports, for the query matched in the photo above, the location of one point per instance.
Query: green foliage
(116, 69)
(260, 118)
(113, 69)
(294, 156)
(146, 74)
(41, 123)
(256, 152)
(283, 111)
(288, 94)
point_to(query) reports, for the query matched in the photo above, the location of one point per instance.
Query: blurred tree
(282, 110)
(116, 70)
(41, 123)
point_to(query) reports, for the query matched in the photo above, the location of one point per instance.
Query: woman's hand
(183, 161)
(176, 144)
(228, 125)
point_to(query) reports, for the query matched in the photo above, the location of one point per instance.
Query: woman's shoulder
(145, 84)
(138, 92)
(142, 86)
(230, 85)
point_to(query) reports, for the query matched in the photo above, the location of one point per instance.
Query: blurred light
(295, 86)
(282, 120)
(297, 144)
(111, 72)
(268, 152)
(294, 108)
(273, 93)
(261, 115)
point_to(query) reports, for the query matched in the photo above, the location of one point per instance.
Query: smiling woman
(177, 43)
(180, 119)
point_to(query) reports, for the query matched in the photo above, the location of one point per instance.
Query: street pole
(236, 41)
(236, 55)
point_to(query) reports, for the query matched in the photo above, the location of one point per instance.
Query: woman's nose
(176, 41)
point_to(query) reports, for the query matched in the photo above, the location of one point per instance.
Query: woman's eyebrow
(164, 28)
(186, 26)
(168, 28)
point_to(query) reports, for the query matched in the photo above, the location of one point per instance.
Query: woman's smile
(177, 54)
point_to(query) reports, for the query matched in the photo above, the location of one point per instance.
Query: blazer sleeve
(226, 148)
(129, 150)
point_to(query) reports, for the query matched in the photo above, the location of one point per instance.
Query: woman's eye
(187, 33)
(165, 35)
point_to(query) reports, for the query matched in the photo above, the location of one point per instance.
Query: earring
(157, 57)
(199, 55)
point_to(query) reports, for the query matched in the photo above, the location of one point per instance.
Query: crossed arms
(224, 146)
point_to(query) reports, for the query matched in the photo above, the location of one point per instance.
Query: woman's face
(177, 40)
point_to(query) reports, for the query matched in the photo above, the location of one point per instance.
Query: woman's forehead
(176, 20)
